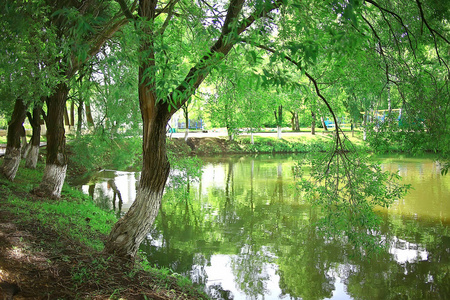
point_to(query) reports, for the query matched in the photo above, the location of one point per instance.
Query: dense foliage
(129, 66)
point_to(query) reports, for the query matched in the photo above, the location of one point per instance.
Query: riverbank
(52, 250)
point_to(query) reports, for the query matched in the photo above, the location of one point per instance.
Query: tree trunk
(230, 133)
(313, 123)
(35, 121)
(12, 157)
(131, 230)
(72, 114)
(279, 120)
(323, 124)
(66, 117)
(23, 144)
(186, 120)
(56, 162)
(80, 117)
(294, 122)
(89, 119)
(128, 233)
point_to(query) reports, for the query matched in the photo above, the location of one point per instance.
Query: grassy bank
(97, 152)
(52, 250)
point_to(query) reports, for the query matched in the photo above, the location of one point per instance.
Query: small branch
(433, 32)
(126, 11)
(396, 16)
(168, 18)
(380, 45)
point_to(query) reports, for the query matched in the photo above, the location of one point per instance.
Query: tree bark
(80, 117)
(323, 124)
(131, 230)
(56, 161)
(313, 123)
(89, 119)
(128, 233)
(294, 122)
(279, 120)
(23, 145)
(12, 157)
(66, 117)
(186, 119)
(33, 153)
(72, 114)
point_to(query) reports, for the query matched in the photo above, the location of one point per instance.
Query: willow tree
(80, 28)
(163, 89)
(24, 47)
(181, 41)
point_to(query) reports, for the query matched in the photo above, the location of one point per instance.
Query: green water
(244, 231)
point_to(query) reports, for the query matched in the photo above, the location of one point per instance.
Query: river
(243, 230)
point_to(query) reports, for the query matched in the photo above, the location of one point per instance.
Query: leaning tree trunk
(33, 152)
(12, 157)
(56, 162)
(128, 233)
(131, 230)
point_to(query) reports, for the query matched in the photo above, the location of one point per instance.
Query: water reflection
(245, 233)
(112, 190)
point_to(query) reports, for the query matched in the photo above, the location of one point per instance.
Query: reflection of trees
(180, 231)
(278, 191)
(117, 194)
(237, 220)
(383, 277)
(305, 259)
(248, 265)
(249, 270)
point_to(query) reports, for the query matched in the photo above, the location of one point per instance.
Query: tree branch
(433, 32)
(170, 14)
(396, 16)
(219, 50)
(126, 10)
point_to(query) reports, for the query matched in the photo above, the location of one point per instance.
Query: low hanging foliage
(347, 186)
(97, 151)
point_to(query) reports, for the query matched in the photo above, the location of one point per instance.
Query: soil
(203, 145)
(37, 263)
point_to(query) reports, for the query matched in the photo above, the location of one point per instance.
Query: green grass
(74, 216)
(74, 219)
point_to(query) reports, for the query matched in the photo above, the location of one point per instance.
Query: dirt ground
(37, 263)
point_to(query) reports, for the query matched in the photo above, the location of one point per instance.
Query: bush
(90, 152)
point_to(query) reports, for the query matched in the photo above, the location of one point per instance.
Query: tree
(81, 29)
(309, 31)
(158, 104)
(22, 73)
(35, 141)
(13, 146)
